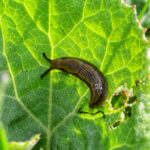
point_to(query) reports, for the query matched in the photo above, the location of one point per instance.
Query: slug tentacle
(44, 55)
(48, 70)
(86, 72)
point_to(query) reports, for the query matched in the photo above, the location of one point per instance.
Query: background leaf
(26, 145)
(143, 6)
(103, 32)
(3, 139)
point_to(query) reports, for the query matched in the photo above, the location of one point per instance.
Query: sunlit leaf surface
(103, 32)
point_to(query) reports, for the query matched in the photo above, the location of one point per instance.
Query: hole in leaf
(148, 32)
(137, 82)
(132, 99)
(115, 125)
(117, 101)
(127, 112)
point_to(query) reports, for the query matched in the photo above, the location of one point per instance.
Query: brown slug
(87, 72)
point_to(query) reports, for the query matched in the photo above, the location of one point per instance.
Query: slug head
(95, 102)
(99, 96)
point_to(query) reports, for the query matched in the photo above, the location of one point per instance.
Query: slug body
(86, 72)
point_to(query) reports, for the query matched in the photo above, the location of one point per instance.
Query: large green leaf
(103, 32)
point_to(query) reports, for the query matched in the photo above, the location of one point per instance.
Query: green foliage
(3, 139)
(143, 11)
(26, 145)
(103, 32)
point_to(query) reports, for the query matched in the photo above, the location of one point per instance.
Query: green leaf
(3, 139)
(103, 32)
(27, 145)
